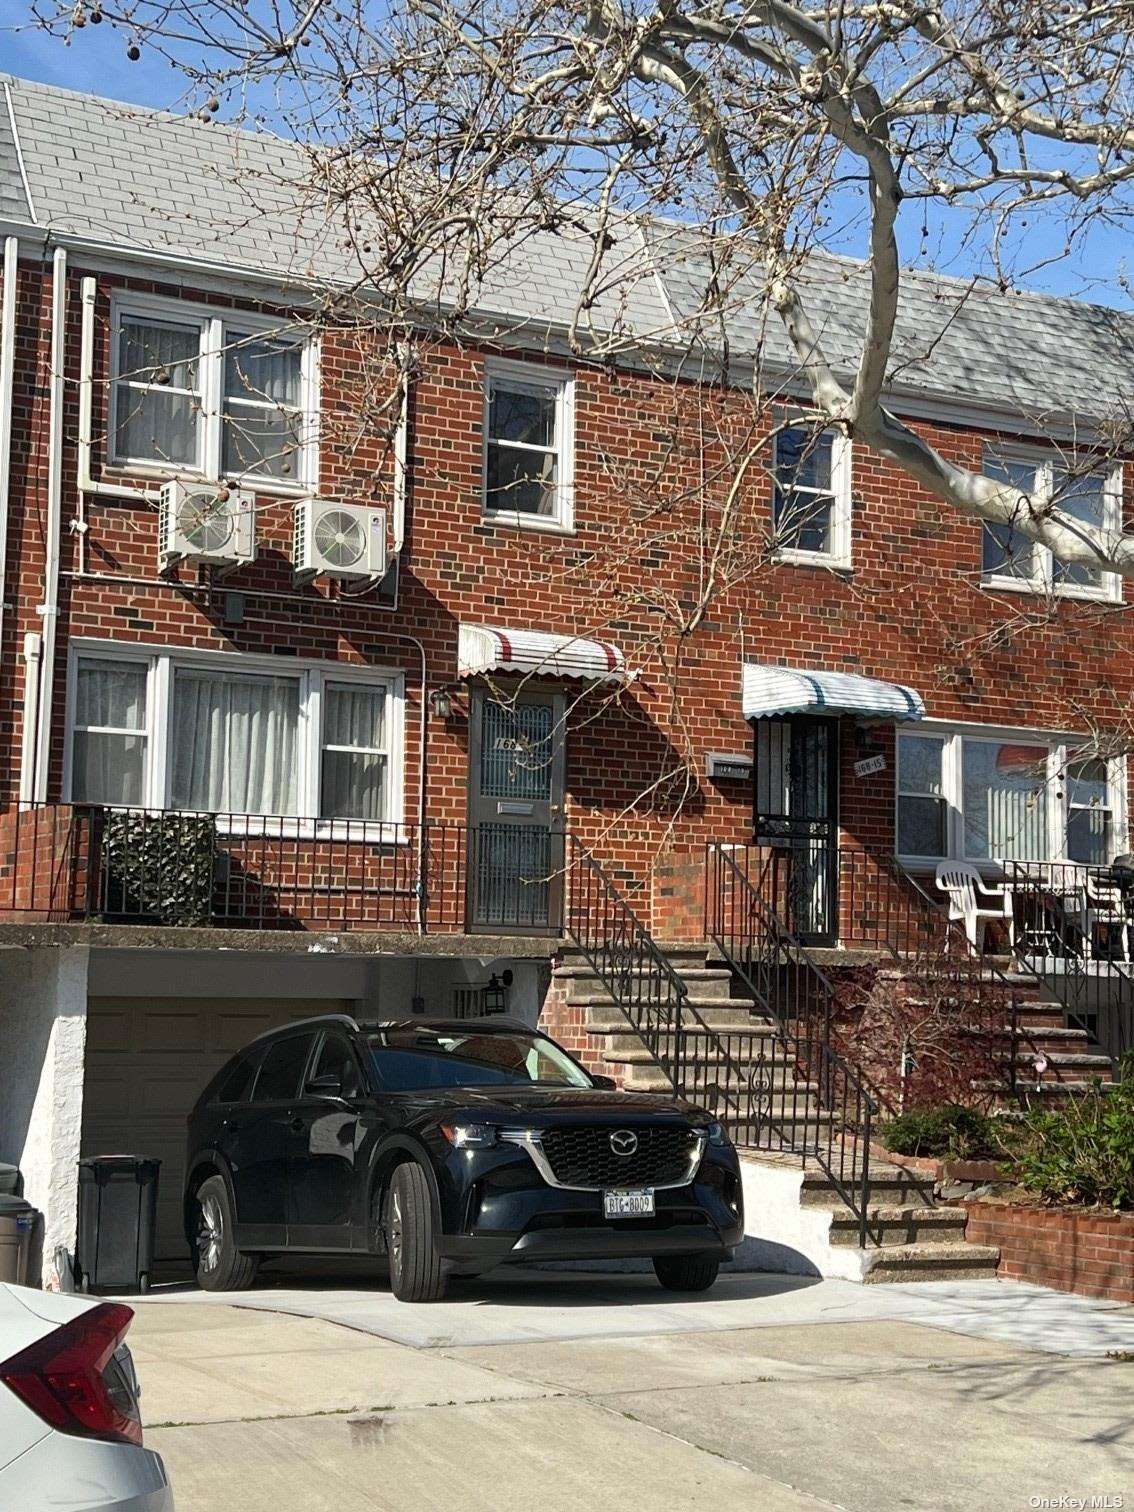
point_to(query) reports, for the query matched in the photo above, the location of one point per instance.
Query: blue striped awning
(767, 691)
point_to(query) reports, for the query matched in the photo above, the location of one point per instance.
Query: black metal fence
(81, 862)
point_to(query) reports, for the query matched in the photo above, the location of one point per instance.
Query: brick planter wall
(1087, 1252)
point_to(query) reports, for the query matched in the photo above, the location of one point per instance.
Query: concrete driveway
(562, 1390)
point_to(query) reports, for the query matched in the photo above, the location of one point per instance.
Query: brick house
(395, 695)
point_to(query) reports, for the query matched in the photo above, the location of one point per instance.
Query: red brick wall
(568, 1026)
(1086, 1252)
(909, 611)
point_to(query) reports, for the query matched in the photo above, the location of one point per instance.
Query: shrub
(961, 1133)
(159, 866)
(1084, 1151)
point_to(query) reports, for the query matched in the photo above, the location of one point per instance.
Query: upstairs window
(811, 495)
(528, 442)
(1010, 560)
(196, 392)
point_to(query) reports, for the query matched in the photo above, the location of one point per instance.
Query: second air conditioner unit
(206, 522)
(339, 540)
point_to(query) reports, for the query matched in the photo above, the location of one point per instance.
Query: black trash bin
(114, 1250)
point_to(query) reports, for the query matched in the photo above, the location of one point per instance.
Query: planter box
(1080, 1250)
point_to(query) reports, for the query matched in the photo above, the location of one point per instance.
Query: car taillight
(73, 1380)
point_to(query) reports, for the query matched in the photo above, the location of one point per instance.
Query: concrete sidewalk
(785, 1396)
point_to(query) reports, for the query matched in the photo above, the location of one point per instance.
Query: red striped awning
(537, 653)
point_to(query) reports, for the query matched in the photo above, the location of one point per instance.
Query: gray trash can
(17, 1226)
(11, 1182)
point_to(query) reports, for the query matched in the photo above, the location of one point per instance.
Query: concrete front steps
(796, 1218)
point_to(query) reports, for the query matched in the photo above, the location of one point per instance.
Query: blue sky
(96, 60)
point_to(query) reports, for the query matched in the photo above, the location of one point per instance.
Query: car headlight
(718, 1135)
(469, 1136)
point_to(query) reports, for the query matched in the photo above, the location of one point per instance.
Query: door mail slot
(511, 807)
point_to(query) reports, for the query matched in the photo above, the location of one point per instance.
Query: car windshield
(413, 1060)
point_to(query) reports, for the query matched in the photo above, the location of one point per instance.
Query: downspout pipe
(7, 381)
(49, 609)
(33, 644)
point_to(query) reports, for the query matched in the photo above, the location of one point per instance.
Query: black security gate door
(796, 811)
(516, 785)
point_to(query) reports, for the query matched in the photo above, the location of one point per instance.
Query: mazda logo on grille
(624, 1142)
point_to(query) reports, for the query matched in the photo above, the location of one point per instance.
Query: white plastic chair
(968, 892)
(1103, 902)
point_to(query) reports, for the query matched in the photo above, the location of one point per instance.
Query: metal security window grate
(516, 751)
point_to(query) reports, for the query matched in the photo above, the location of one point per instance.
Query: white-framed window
(1094, 497)
(986, 795)
(233, 734)
(529, 439)
(811, 496)
(219, 395)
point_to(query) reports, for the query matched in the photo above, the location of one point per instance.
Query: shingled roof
(149, 182)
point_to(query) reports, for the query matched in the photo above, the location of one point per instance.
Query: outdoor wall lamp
(441, 702)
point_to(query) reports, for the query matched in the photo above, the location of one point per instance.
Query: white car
(70, 1430)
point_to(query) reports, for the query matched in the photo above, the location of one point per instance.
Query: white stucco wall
(43, 1020)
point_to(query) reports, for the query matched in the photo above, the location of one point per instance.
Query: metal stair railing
(786, 983)
(1052, 939)
(738, 1075)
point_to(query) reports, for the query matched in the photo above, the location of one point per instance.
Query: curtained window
(170, 731)
(263, 388)
(158, 402)
(234, 742)
(110, 741)
(194, 391)
(355, 753)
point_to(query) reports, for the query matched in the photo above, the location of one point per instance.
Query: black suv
(450, 1146)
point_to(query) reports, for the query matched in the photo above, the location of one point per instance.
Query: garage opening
(147, 1062)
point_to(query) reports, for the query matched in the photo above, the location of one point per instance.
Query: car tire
(416, 1273)
(218, 1264)
(686, 1273)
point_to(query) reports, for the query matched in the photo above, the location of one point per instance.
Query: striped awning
(767, 691)
(537, 653)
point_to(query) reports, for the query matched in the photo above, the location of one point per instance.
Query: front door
(796, 812)
(516, 835)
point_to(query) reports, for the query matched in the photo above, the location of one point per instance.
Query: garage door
(148, 1060)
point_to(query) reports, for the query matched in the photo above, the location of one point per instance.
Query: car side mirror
(327, 1084)
(604, 1083)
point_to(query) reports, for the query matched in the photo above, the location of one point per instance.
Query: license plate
(629, 1204)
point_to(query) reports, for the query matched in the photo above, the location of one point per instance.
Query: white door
(147, 1062)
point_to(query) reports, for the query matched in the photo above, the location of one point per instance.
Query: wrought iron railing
(85, 862)
(832, 1107)
(1073, 927)
(770, 1089)
(886, 907)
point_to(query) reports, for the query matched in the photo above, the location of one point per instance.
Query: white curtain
(109, 762)
(235, 743)
(354, 763)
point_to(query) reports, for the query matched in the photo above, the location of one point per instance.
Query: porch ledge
(299, 942)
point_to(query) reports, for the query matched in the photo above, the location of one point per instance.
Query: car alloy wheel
(396, 1236)
(210, 1233)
